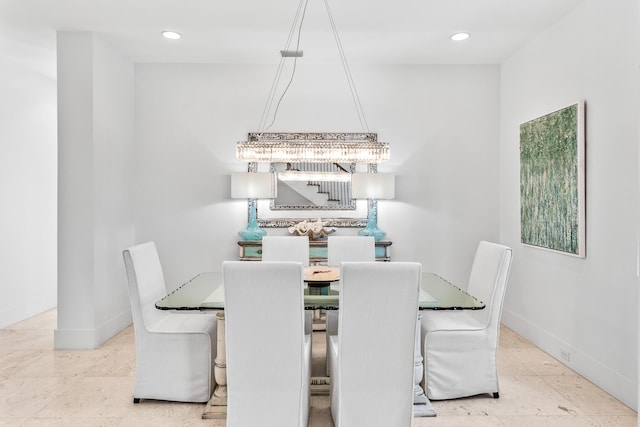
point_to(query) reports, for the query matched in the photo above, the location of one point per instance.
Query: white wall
(587, 307)
(28, 170)
(96, 155)
(441, 122)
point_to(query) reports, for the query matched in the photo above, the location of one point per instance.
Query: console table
(252, 251)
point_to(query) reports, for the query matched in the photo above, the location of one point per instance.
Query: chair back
(376, 342)
(488, 280)
(146, 285)
(264, 319)
(350, 248)
(286, 248)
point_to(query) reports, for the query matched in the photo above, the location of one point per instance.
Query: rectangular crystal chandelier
(313, 147)
(314, 176)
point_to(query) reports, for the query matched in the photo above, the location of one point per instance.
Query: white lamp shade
(258, 185)
(372, 186)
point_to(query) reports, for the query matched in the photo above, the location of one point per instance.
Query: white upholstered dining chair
(268, 353)
(289, 248)
(350, 248)
(372, 356)
(174, 351)
(340, 249)
(286, 248)
(460, 347)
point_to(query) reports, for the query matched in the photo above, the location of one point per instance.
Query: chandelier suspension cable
(347, 70)
(274, 87)
(267, 106)
(302, 8)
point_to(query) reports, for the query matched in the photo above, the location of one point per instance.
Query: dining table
(205, 291)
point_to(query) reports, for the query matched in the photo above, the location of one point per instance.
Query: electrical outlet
(566, 355)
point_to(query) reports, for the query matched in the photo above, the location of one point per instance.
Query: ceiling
(254, 31)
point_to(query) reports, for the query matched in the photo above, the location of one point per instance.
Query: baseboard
(88, 339)
(620, 387)
(74, 339)
(113, 327)
(20, 312)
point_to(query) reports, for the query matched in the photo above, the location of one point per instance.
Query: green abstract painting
(552, 184)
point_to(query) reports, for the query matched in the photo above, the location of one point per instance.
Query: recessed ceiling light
(459, 36)
(171, 35)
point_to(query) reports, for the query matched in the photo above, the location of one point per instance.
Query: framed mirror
(302, 196)
(313, 186)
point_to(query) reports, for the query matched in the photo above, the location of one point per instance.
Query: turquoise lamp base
(253, 230)
(372, 231)
(372, 224)
(252, 234)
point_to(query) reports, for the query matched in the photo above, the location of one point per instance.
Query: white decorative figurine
(315, 230)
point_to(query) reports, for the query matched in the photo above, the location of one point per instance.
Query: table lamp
(252, 186)
(372, 186)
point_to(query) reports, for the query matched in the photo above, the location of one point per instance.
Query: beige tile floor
(40, 386)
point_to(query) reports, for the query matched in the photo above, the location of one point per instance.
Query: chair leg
(496, 395)
(136, 400)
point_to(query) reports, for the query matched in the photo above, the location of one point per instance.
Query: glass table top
(205, 292)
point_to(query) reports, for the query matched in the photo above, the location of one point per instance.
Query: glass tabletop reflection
(205, 292)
